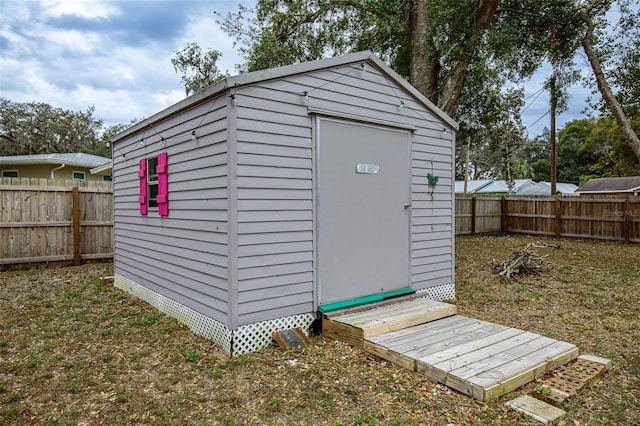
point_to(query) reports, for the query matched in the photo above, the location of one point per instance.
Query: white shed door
(364, 194)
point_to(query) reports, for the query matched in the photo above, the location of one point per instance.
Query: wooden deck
(354, 325)
(478, 358)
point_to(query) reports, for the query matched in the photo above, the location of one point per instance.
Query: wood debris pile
(522, 262)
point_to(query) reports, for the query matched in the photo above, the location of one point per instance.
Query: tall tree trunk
(455, 80)
(424, 63)
(605, 89)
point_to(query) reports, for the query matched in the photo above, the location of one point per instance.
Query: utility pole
(552, 134)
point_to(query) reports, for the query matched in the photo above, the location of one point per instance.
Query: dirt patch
(76, 350)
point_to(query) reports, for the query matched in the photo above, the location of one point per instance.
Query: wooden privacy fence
(55, 223)
(74, 222)
(616, 219)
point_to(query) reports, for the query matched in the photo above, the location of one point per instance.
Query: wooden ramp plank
(478, 358)
(433, 328)
(406, 352)
(436, 367)
(493, 390)
(454, 338)
(398, 316)
(353, 327)
(451, 358)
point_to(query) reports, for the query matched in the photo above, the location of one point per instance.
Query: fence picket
(616, 219)
(37, 221)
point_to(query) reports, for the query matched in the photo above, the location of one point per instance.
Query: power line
(537, 94)
(541, 117)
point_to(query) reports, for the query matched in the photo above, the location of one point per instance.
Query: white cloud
(90, 9)
(204, 31)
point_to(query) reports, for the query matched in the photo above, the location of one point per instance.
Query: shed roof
(78, 159)
(247, 79)
(611, 185)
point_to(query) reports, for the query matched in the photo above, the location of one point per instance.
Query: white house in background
(544, 188)
(76, 166)
(491, 186)
(472, 185)
(250, 206)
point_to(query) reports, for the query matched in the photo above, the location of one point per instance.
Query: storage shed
(246, 208)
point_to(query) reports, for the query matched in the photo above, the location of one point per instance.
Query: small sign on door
(367, 168)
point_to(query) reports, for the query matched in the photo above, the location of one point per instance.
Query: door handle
(407, 205)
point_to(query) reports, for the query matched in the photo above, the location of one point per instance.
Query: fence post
(473, 215)
(76, 225)
(627, 220)
(558, 214)
(503, 214)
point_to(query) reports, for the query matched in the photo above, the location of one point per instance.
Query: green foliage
(198, 68)
(585, 149)
(192, 355)
(461, 63)
(614, 155)
(39, 128)
(619, 50)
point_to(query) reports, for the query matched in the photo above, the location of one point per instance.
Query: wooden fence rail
(55, 223)
(75, 223)
(616, 219)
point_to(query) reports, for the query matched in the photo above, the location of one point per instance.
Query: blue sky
(115, 55)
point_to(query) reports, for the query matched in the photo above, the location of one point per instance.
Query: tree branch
(455, 81)
(607, 94)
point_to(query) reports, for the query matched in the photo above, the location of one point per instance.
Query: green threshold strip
(330, 307)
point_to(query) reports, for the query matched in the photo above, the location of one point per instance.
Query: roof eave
(240, 80)
(98, 170)
(34, 162)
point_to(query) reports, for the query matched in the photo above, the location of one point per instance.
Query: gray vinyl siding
(239, 242)
(275, 205)
(275, 185)
(183, 256)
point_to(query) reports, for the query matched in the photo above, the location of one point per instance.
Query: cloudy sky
(116, 55)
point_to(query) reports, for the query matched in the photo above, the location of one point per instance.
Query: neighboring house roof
(251, 78)
(501, 186)
(629, 184)
(77, 159)
(472, 185)
(106, 168)
(491, 186)
(544, 188)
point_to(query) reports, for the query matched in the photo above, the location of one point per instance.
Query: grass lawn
(76, 350)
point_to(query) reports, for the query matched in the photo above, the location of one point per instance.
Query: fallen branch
(521, 262)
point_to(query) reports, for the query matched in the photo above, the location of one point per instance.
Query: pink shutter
(142, 175)
(163, 185)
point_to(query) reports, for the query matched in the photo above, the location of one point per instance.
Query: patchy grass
(76, 350)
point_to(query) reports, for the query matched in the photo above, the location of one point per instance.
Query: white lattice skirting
(247, 338)
(439, 293)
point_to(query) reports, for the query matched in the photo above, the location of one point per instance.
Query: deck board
(478, 358)
(354, 327)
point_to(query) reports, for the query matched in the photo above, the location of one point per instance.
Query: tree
(586, 148)
(198, 68)
(434, 43)
(612, 155)
(591, 13)
(36, 128)
(458, 53)
(574, 159)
